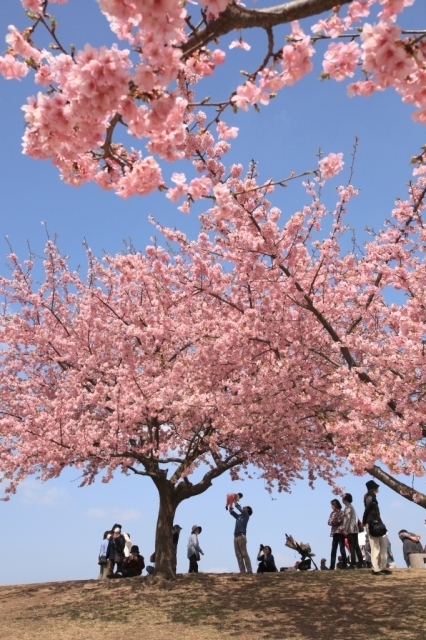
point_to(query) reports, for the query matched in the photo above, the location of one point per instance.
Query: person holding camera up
(266, 560)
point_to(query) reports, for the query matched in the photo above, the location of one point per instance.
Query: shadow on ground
(315, 605)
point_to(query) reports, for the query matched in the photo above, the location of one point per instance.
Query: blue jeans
(338, 540)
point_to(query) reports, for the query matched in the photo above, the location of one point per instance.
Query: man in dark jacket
(240, 540)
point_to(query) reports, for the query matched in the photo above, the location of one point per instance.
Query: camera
(262, 547)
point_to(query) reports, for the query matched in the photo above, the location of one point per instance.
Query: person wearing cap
(115, 553)
(132, 565)
(194, 549)
(240, 539)
(378, 544)
(175, 533)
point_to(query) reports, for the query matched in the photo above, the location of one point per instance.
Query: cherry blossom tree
(261, 343)
(154, 88)
(256, 344)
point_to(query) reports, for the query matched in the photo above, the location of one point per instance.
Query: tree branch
(238, 17)
(399, 487)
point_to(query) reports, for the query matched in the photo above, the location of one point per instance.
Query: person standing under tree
(336, 523)
(379, 544)
(175, 533)
(194, 549)
(115, 553)
(350, 530)
(240, 539)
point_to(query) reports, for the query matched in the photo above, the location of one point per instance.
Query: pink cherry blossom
(214, 6)
(341, 60)
(32, 5)
(226, 132)
(12, 69)
(331, 165)
(241, 44)
(150, 87)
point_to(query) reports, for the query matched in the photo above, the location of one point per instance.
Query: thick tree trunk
(164, 549)
(399, 487)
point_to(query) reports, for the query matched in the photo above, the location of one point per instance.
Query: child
(232, 499)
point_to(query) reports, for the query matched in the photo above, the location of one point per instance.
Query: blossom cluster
(256, 332)
(150, 87)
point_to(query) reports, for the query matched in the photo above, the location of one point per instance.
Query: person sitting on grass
(323, 565)
(266, 560)
(132, 565)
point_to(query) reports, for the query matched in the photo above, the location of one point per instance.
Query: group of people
(345, 527)
(117, 551)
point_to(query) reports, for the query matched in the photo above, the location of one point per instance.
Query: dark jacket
(134, 565)
(267, 562)
(242, 519)
(176, 539)
(371, 511)
(115, 547)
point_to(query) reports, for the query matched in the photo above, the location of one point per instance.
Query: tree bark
(165, 561)
(399, 487)
(238, 17)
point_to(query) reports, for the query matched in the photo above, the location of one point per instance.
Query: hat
(195, 527)
(134, 549)
(176, 527)
(371, 485)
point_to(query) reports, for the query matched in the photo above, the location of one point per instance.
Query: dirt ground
(317, 605)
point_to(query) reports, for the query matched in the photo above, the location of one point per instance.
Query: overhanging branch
(238, 17)
(399, 487)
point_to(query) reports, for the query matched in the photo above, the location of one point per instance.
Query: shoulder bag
(377, 529)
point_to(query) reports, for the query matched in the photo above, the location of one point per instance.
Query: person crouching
(132, 565)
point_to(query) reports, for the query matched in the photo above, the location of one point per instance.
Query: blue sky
(56, 526)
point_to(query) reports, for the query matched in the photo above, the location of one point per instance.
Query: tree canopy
(264, 342)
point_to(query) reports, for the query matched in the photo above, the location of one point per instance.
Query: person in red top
(336, 523)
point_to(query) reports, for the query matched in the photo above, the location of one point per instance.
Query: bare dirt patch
(316, 605)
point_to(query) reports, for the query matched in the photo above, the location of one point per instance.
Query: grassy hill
(315, 605)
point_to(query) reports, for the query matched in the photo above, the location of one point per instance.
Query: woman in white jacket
(194, 549)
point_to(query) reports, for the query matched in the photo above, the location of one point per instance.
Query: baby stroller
(304, 548)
